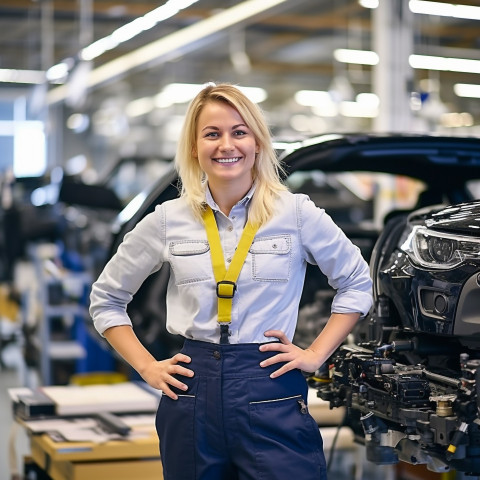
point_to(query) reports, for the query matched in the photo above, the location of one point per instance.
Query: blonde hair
(266, 170)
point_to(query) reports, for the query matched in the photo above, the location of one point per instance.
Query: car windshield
(359, 198)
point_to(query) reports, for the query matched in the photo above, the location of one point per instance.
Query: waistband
(241, 359)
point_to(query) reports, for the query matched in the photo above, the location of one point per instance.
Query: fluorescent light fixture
(255, 94)
(57, 72)
(359, 57)
(184, 92)
(467, 90)
(428, 62)
(8, 75)
(421, 62)
(456, 120)
(368, 3)
(368, 100)
(358, 110)
(134, 28)
(140, 106)
(191, 37)
(177, 93)
(469, 12)
(319, 101)
(312, 98)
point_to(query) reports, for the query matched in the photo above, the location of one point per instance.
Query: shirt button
(230, 228)
(216, 355)
(229, 259)
(234, 217)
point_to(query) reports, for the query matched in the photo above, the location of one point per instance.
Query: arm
(158, 374)
(325, 245)
(333, 334)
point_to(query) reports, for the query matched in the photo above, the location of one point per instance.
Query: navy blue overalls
(236, 423)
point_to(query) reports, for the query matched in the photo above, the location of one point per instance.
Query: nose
(226, 144)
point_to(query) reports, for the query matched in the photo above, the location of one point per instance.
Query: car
(408, 373)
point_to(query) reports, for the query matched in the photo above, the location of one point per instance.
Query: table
(119, 459)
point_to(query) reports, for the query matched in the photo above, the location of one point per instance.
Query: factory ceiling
(287, 47)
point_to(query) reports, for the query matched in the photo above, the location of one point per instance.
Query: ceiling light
(368, 3)
(369, 100)
(134, 28)
(429, 62)
(140, 106)
(312, 98)
(188, 38)
(184, 92)
(445, 9)
(255, 94)
(320, 101)
(327, 109)
(177, 93)
(359, 57)
(467, 90)
(358, 110)
(456, 120)
(21, 76)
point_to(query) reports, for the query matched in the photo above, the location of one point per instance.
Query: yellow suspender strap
(226, 279)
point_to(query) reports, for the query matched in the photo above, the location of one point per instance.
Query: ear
(194, 153)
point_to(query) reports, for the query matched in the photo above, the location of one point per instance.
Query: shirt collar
(244, 201)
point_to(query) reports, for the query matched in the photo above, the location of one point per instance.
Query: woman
(234, 399)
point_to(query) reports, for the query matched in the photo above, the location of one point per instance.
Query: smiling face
(225, 147)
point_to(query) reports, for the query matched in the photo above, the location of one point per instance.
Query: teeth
(227, 160)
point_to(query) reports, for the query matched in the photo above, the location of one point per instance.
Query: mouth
(228, 160)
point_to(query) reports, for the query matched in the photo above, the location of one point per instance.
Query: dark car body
(433, 277)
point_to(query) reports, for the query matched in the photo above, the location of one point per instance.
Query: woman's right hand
(160, 374)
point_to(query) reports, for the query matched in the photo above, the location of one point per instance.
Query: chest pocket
(190, 261)
(271, 258)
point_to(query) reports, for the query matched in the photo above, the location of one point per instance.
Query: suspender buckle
(226, 289)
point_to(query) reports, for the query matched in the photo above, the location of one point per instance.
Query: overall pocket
(286, 439)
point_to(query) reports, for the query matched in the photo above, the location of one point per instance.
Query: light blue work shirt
(270, 283)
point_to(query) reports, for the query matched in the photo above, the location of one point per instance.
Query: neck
(226, 196)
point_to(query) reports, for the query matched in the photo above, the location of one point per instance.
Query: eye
(211, 134)
(239, 133)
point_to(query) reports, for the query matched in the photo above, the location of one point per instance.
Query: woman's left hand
(296, 357)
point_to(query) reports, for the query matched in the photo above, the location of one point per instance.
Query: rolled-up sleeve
(139, 255)
(325, 245)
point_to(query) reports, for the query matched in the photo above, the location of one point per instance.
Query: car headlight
(432, 249)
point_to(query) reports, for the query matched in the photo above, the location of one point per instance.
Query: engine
(411, 378)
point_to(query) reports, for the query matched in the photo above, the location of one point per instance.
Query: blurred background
(88, 82)
(92, 98)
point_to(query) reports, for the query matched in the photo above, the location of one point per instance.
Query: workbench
(119, 459)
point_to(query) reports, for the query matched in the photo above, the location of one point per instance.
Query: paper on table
(90, 399)
(59, 424)
(89, 430)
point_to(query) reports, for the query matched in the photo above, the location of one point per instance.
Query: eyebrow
(216, 128)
